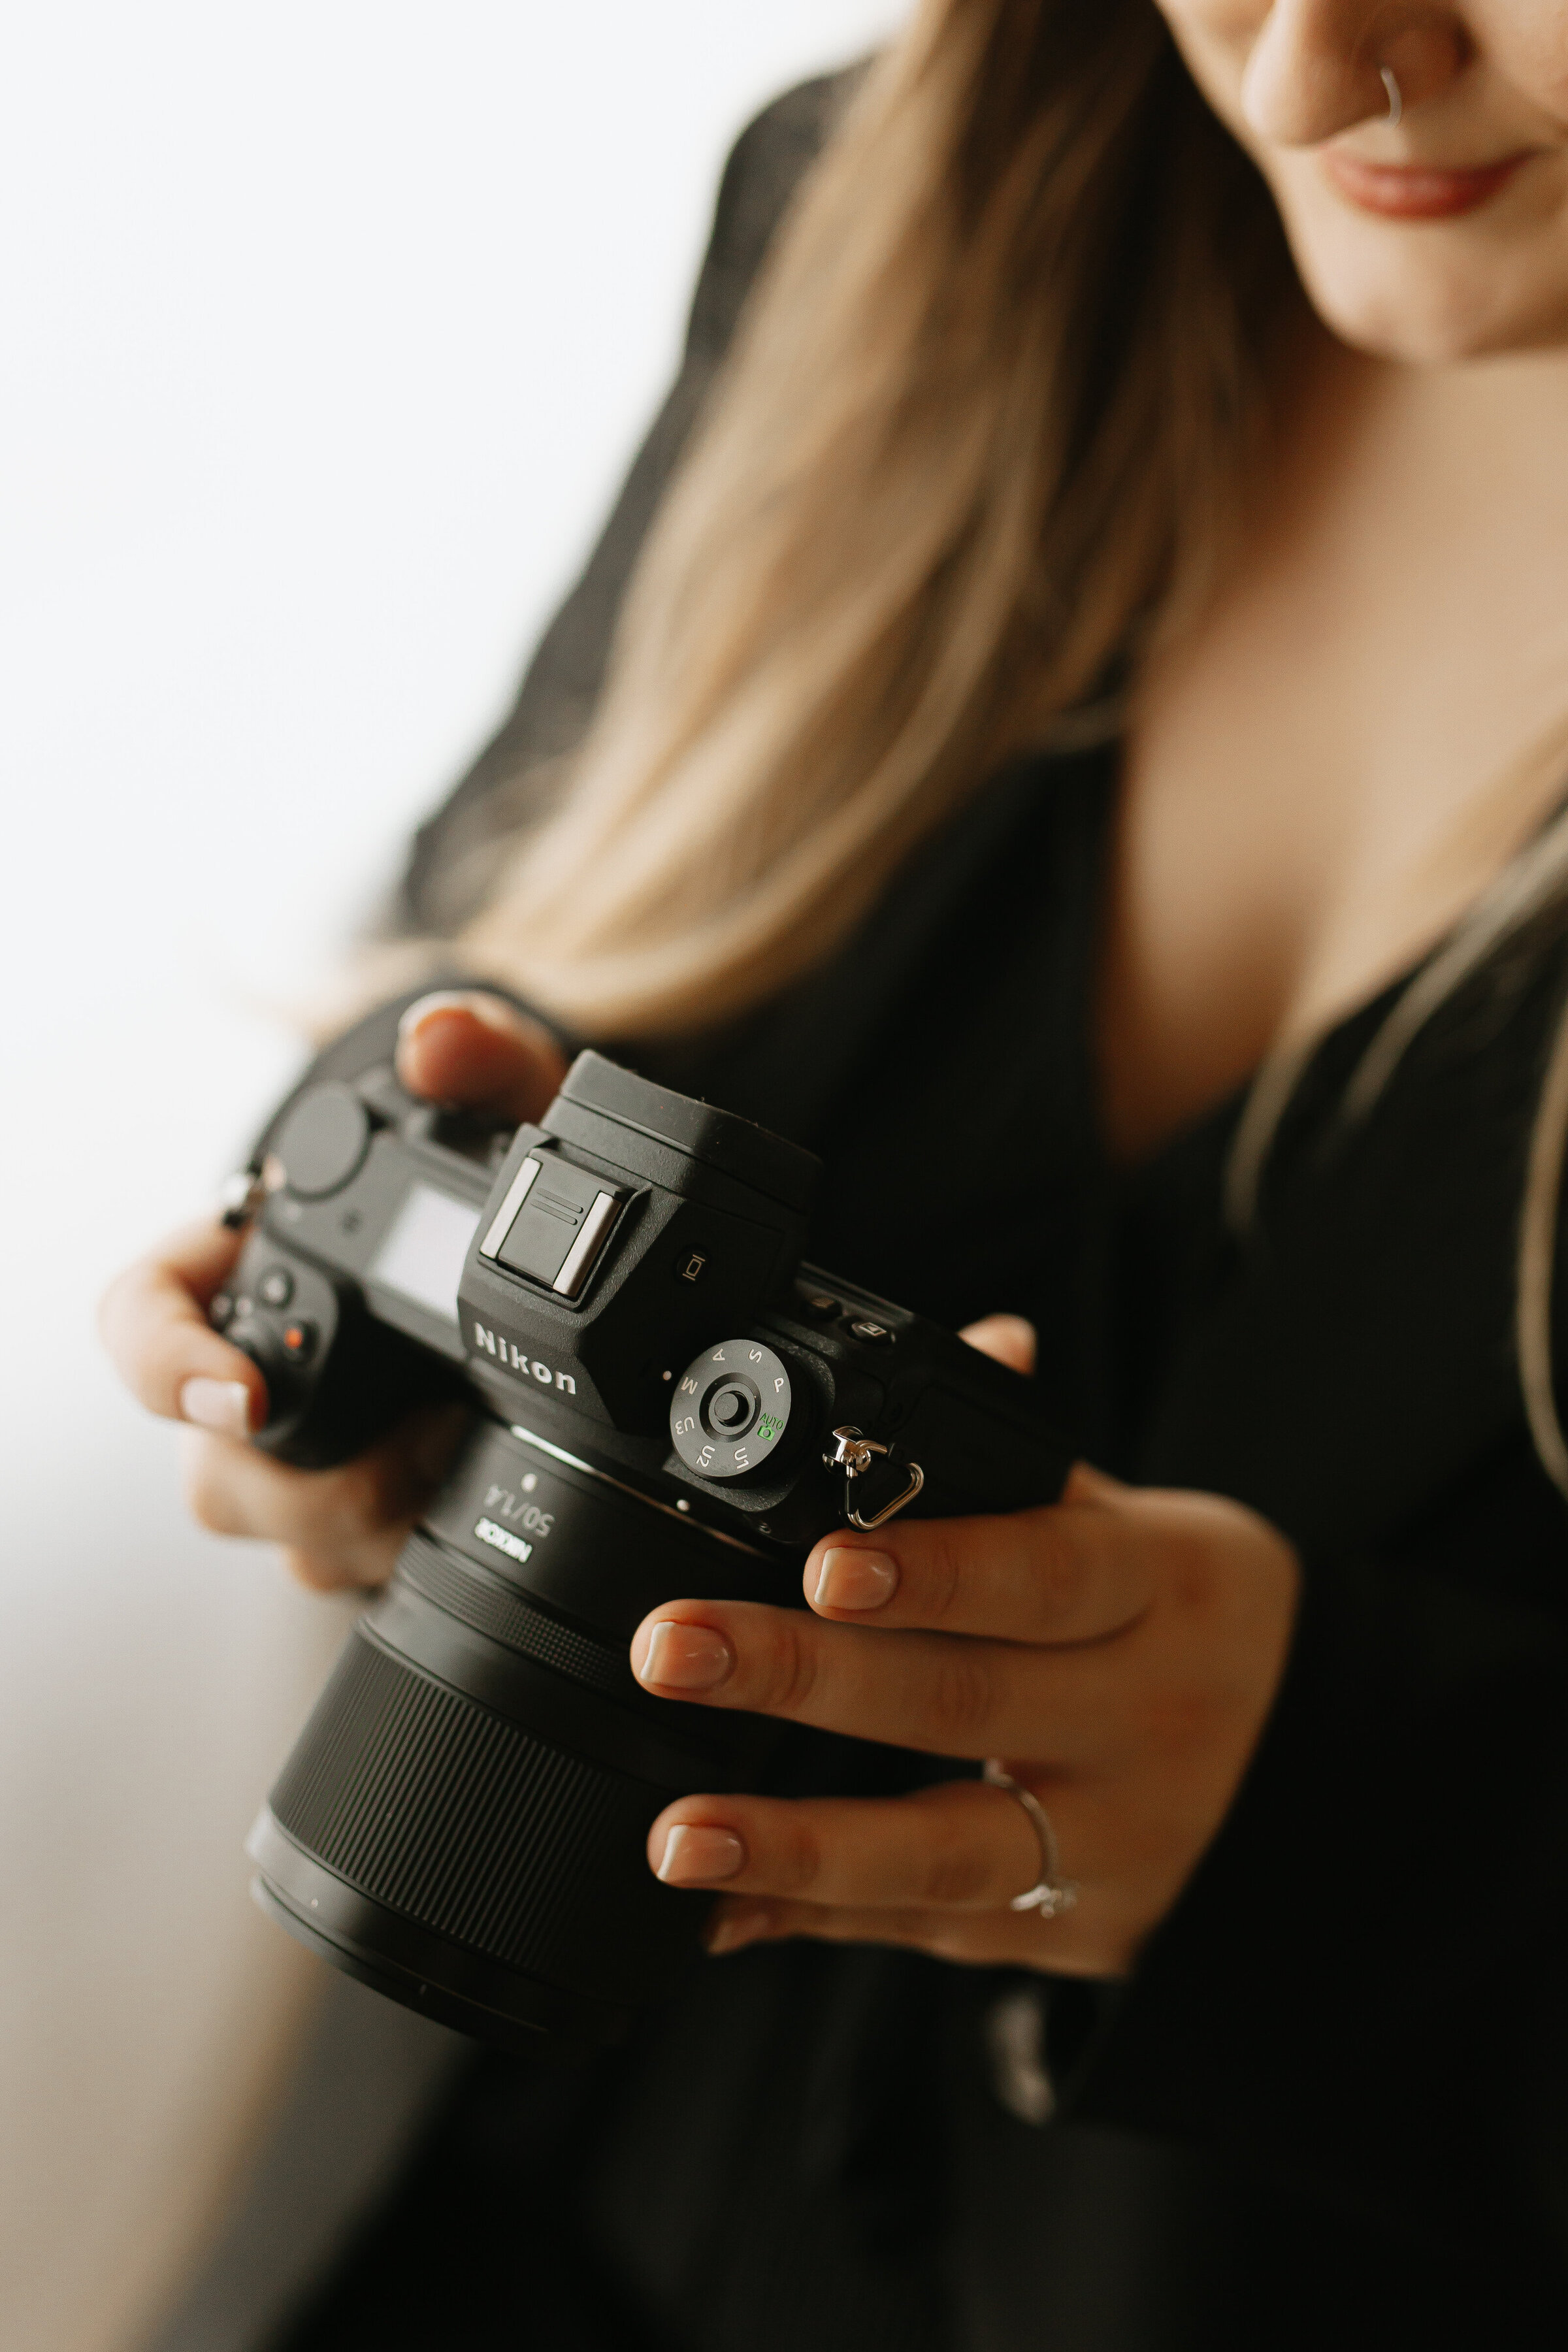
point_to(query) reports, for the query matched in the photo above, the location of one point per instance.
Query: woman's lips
(1417, 190)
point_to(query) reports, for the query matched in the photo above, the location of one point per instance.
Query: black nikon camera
(670, 1404)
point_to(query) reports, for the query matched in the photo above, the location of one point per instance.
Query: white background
(329, 328)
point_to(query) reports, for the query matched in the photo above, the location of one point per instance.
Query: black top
(1331, 2107)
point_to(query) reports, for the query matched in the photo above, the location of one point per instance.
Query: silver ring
(1051, 1894)
(1393, 94)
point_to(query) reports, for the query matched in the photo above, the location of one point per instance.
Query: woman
(1083, 749)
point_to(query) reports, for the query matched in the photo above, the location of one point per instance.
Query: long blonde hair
(985, 436)
(984, 432)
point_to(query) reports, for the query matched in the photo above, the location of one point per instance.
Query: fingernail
(686, 1657)
(849, 1579)
(694, 1857)
(489, 1010)
(727, 1931)
(220, 1406)
(440, 1000)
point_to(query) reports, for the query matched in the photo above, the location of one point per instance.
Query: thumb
(468, 1048)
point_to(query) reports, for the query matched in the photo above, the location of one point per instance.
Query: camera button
(276, 1287)
(876, 1335)
(323, 1141)
(819, 1304)
(731, 1409)
(299, 1340)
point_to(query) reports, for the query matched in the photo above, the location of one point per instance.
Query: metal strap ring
(851, 1452)
(1051, 1894)
(916, 1479)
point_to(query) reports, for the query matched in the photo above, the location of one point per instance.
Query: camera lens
(463, 1821)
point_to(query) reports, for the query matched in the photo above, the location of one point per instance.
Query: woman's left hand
(1118, 1651)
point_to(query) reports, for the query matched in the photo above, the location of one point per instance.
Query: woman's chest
(1323, 776)
(1343, 1369)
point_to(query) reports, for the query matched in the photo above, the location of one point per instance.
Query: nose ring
(1390, 81)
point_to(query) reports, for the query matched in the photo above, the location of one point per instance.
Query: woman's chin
(1431, 316)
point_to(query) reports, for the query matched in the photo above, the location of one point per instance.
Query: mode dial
(729, 1410)
(323, 1141)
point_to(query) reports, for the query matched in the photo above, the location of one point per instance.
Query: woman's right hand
(343, 1526)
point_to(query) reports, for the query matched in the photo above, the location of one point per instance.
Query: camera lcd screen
(423, 1254)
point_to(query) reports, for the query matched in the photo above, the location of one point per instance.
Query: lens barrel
(463, 1821)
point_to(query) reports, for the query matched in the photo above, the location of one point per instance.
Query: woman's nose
(1316, 65)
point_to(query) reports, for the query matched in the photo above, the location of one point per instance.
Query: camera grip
(337, 1377)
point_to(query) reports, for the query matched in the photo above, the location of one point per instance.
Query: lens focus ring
(729, 1410)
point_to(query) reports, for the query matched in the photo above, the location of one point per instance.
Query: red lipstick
(1417, 191)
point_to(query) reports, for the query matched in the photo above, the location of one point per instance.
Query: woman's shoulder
(766, 165)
